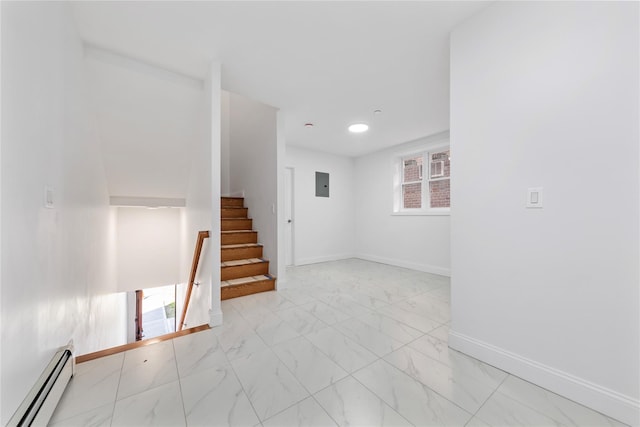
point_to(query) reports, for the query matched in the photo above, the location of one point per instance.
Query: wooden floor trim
(137, 344)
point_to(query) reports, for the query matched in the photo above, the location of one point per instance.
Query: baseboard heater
(37, 408)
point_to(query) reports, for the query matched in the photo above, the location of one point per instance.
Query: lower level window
(425, 182)
(439, 179)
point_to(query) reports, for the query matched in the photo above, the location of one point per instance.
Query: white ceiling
(329, 63)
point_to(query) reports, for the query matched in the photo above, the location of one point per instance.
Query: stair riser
(227, 292)
(236, 224)
(237, 238)
(240, 253)
(238, 271)
(226, 202)
(234, 213)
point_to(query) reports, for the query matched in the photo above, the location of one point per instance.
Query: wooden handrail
(139, 298)
(194, 268)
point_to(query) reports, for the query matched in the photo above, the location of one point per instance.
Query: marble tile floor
(348, 343)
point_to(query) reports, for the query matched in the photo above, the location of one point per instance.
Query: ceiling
(328, 63)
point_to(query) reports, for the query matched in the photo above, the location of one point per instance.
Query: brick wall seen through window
(412, 182)
(426, 170)
(440, 172)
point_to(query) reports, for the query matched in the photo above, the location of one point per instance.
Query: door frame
(289, 181)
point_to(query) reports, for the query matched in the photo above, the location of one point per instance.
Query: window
(424, 182)
(412, 182)
(439, 180)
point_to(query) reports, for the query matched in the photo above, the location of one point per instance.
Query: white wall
(281, 214)
(148, 248)
(225, 144)
(2, 418)
(420, 242)
(323, 227)
(202, 210)
(546, 95)
(254, 168)
(147, 120)
(58, 267)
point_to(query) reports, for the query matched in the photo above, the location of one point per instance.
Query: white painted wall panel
(148, 248)
(253, 167)
(324, 227)
(203, 209)
(58, 265)
(148, 124)
(546, 95)
(225, 147)
(419, 242)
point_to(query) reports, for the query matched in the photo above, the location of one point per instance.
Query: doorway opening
(289, 219)
(155, 312)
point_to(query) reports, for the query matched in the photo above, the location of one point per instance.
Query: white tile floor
(349, 343)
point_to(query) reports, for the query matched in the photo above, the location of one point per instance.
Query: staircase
(243, 270)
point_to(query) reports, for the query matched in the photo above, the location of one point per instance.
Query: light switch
(48, 197)
(534, 197)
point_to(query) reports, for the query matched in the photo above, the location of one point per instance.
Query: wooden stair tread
(246, 280)
(236, 237)
(243, 270)
(247, 286)
(238, 262)
(227, 202)
(241, 249)
(241, 245)
(233, 224)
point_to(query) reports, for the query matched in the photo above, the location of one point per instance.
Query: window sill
(422, 213)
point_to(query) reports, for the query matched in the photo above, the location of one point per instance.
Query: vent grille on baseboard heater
(37, 408)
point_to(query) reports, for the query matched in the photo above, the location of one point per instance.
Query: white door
(288, 210)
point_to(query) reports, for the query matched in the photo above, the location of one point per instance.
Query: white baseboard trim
(611, 403)
(215, 319)
(406, 264)
(327, 258)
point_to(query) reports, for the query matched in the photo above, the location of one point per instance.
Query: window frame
(426, 209)
(419, 181)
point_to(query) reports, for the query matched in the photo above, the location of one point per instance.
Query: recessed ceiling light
(308, 125)
(358, 128)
